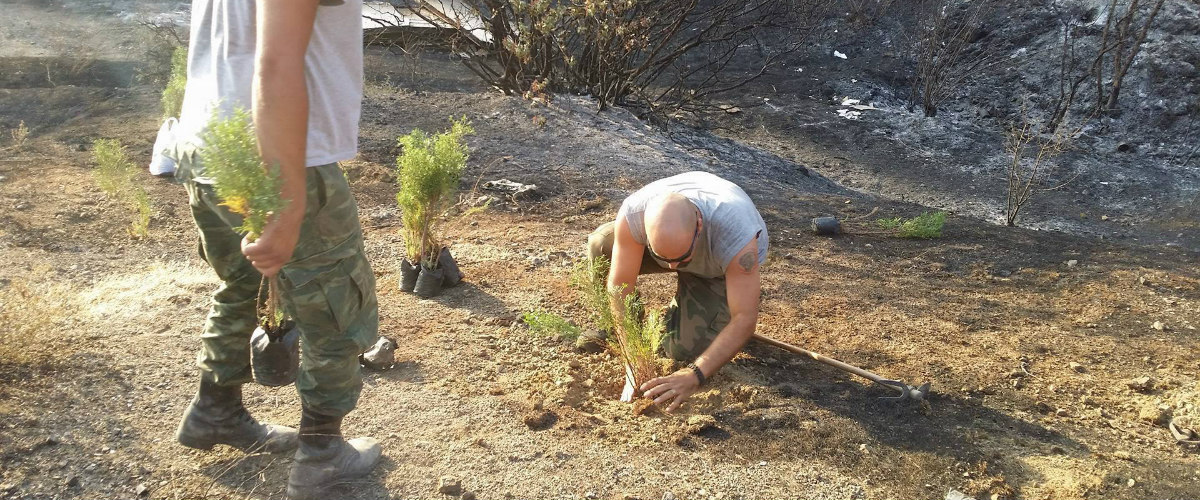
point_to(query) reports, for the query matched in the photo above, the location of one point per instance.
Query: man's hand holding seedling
(281, 123)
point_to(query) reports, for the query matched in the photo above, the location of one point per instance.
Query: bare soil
(1031, 338)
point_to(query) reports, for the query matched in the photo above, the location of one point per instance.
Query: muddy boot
(216, 416)
(325, 458)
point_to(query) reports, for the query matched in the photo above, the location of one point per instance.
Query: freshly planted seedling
(172, 96)
(636, 336)
(637, 341)
(19, 136)
(429, 170)
(117, 177)
(926, 225)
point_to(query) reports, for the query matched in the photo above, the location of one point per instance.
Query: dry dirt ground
(1030, 338)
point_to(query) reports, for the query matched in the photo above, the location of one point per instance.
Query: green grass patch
(548, 324)
(926, 225)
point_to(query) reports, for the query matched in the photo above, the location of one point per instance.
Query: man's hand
(675, 388)
(274, 248)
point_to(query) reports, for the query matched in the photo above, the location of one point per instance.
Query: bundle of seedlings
(250, 189)
(633, 336)
(117, 177)
(429, 170)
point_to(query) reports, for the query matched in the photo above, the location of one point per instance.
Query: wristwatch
(699, 373)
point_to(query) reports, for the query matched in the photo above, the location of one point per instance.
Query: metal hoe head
(906, 391)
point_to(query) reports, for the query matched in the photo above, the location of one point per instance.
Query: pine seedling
(244, 184)
(172, 96)
(926, 225)
(19, 136)
(429, 170)
(590, 278)
(117, 177)
(638, 340)
(636, 336)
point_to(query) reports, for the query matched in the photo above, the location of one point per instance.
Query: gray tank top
(730, 220)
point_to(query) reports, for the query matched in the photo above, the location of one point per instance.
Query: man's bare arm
(626, 263)
(280, 102)
(742, 289)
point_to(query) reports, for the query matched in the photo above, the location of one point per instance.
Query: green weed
(926, 225)
(545, 323)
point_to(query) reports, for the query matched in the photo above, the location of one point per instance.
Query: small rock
(381, 356)
(699, 423)
(141, 490)
(1131, 482)
(72, 481)
(1142, 384)
(591, 495)
(1123, 455)
(630, 496)
(449, 485)
(539, 419)
(1076, 367)
(1072, 263)
(1144, 280)
(1158, 325)
(468, 495)
(1155, 414)
(669, 496)
(954, 494)
(1062, 412)
(1089, 401)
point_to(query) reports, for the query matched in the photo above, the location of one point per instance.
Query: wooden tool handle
(829, 361)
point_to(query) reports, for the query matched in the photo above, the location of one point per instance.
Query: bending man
(706, 230)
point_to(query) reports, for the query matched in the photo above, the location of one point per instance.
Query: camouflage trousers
(696, 315)
(327, 288)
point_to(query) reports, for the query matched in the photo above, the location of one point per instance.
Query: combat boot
(217, 416)
(325, 458)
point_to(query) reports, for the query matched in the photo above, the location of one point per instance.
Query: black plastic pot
(451, 275)
(408, 275)
(429, 282)
(826, 226)
(275, 355)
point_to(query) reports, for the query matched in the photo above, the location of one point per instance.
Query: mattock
(906, 391)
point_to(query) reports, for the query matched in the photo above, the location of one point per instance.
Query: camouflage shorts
(327, 288)
(697, 314)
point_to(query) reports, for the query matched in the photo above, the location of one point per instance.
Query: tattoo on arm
(747, 261)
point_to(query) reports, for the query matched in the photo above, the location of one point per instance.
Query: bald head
(671, 224)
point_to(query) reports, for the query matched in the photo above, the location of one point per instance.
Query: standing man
(298, 65)
(706, 230)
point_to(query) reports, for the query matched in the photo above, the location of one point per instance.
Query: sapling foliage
(172, 96)
(245, 185)
(636, 335)
(117, 177)
(429, 170)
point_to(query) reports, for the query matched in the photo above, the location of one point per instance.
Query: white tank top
(221, 73)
